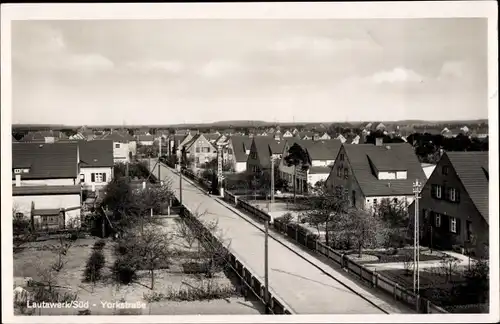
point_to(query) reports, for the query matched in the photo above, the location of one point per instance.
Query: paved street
(305, 288)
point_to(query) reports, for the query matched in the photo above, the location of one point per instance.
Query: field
(36, 259)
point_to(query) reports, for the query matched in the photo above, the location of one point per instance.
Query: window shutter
(92, 177)
(457, 195)
(104, 177)
(433, 191)
(458, 226)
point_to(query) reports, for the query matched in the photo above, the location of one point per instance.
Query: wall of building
(87, 172)
(322, 163)
(428, 169)
(22, 204)
(372, 200)
(240, 167)
(121, 152)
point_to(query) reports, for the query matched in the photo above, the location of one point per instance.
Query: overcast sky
(175, 71)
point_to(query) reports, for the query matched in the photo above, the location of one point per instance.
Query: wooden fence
(368, 276)
(254, 285)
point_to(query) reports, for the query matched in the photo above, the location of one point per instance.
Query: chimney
(379, 141)
(18, 180)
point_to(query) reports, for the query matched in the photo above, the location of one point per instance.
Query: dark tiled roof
(145, 138)
(46, 212)
(320, 170)
(276, 146)
(358, 157)
(240, 144)
(96, 153)
(212, 136)
(323, 149)
(46, 161)
(263, 148)
(45, 190)
(469, 168)
(117, 137)
(384, 161)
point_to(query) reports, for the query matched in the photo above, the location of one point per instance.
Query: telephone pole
(416, 240)
(159, 162)
(272, 183)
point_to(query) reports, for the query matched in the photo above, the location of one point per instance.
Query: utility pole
(272, 183)
(416, 240)
(219, 170)
(159, 163)
(180, 183)
(266, 265)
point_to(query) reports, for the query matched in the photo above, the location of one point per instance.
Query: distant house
(321, 156)
(201, 150)
(277, 135)
(261, 151)
(306, 135)
(454, 204)
(78, 137)
(341, 138)
(356, 139)
(212, 137)
(145, 140)
(380, 127)
(295, 131)
(368, 173)
(45, 183)
(96, 163)
(287, 134)
(124, 146)
(238, 150)
(325, 136)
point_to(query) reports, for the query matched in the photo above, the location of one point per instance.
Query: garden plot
(175, 291)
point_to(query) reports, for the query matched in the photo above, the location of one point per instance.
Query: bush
(285, 218)
(94, 265)
(99, 245)
(124, 271)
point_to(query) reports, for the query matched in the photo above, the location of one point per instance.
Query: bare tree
(448, 266)
(152, 247)
(183, 231)
(408, 264)
(64, 243)
(21, 229)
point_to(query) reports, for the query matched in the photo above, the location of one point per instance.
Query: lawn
(36, 259)
(428, 278)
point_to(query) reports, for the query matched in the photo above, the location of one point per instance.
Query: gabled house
(341, 138)
(238, 149)
(356, 139)
(200, 149)
(368, 173)
(325, 136)
(287, 134)
(146, 140)
(295, 131)
(78, 137)
(305, 135)
(96, 163)
(45, 185)
(321, 156)
(381, 127)
(454, 203)
(124, 146)
(261, 151)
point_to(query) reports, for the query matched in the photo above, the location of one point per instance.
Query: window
(117, 145)
(444, 170)
(346, 173)
(19, 215)
(468, 225)
(453, 194)
(98, 177)
(375, 201)
(341, 157)
(453, 224)
(339, 172)
(395, 200)
(229, 151)
(353, 197)
(205, 150)
(437, 220)
(17, 171)
(197, 150)
(436, 191)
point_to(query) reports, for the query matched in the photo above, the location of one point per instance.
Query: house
(305, 135)
(212, 137)
(146, 140)
(325, 136)
(261, 151)
(34, 137)
(200, 149)
(295, 131)
(277, 135)
(45, 185)
(368, 173)
(341, 138)
(77, 137)
(321, 156)
(287, 134)
(238, 149)
(454, 203)
(124, 146)
(96, 163)
(356, 139)
(381, 127)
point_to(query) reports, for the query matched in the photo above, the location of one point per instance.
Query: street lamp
(416, 240)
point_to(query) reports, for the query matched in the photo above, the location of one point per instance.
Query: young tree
(22, 229)
(152, 247)
(297, 157)
(364, 228)
(64, 243)
(325, 209)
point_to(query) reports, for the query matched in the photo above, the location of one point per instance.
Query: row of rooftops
(60, 160)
